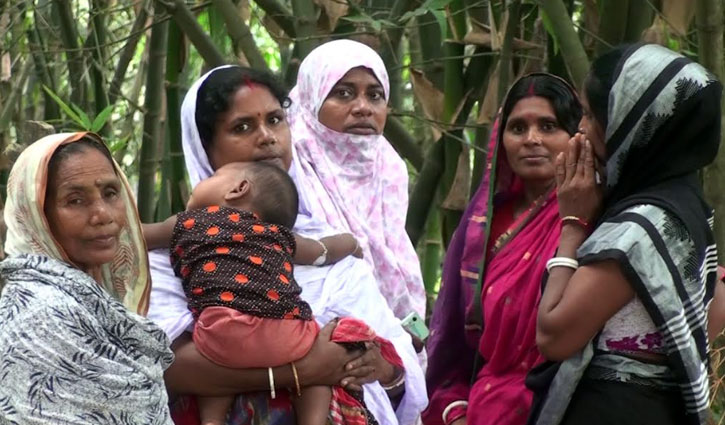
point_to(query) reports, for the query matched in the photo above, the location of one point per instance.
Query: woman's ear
(241, 190)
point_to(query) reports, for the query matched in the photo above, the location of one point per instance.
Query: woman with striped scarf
(625, 304)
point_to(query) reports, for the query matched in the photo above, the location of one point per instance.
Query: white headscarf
(356, 183)
(347, 288)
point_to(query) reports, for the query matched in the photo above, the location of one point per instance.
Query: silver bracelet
(272, 391)
(447, 410)
(396, 383)
(320, 261)
(561, 262)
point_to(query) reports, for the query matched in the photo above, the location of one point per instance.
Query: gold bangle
(297, 379)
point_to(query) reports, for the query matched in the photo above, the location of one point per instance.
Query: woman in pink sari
(483, 339)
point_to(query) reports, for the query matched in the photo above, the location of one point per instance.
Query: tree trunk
(571, 47)
(709, 16)
(152, 128)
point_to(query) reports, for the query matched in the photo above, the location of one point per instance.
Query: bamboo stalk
(710, 27)
(612, 24)
(431, 40)
(196, 34)
(423, 194)
(403, 142)
(152, 126)
(431, 261)
(11, 102)
(454, 91)
(36, 46)
(240, 34)
(97, 39)
(571, 47)
(391, 51)
(69, 37)
(127, 54)
(177, 168)
(281, 15)
(305, 26)
(505, 63)
(639, 18)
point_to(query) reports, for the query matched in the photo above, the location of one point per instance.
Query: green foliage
(79, 117)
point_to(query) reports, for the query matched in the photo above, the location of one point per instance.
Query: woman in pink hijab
(351, 174)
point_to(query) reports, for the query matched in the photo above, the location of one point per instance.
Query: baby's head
(259, 187)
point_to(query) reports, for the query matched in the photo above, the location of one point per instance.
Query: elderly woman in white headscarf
(74, 348)
(236, 114)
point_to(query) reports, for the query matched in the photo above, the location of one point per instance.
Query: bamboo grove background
(121, 68)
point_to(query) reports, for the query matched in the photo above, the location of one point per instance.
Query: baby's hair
(276, 199)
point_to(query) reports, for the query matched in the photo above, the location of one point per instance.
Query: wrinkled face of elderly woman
(84, 208)
(356, 104)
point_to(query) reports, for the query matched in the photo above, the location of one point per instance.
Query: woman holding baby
(234, 114)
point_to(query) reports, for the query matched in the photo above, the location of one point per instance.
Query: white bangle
(398, 381)
(561, 262)
(272, 391)
(323, 257)
(462, 403)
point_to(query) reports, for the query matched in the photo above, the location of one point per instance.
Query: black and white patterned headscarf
(663, 125)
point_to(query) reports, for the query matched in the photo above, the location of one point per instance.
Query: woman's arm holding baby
(337, 247)
(158, 235)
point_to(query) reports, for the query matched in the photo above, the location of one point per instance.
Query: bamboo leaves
(78, 116)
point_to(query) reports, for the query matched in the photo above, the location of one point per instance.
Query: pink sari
(500, 330)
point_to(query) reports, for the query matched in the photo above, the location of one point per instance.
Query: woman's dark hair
(215, 95)
(600, 80)
(69, 149)
(563, 100)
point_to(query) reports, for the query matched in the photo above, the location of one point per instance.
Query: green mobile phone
(416, 326)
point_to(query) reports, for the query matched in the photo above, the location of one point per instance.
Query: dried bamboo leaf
(679, 14)
(478, 36)
(275, 31)
(6, 72)
(481, 37)
(496, 35)
(457, 197)
(489, 107)
(332, 11)
(430, 98)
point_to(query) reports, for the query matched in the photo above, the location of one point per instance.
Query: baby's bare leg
(213, 410)
(313, 406)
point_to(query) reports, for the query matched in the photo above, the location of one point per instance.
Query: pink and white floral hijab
(355, 183)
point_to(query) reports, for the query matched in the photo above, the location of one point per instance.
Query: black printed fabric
(228, 257)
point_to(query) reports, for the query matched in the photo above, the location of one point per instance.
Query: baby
(234, 251)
